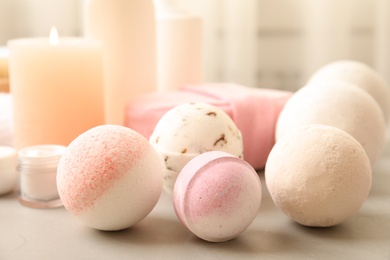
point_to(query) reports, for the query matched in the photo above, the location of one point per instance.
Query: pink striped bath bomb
(109, 177)
(217, 196)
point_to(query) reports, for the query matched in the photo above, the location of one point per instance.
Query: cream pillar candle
(127, 30)
(57, 89)
(179, 46)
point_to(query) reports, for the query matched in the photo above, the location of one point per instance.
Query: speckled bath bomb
(109, 177)
(190, 129)
(318, 175)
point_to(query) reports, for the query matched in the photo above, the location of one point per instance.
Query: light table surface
(27, 233)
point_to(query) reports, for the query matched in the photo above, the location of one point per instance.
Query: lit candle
(57, 88)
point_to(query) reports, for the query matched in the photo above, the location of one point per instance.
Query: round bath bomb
(341, 105)
(109, 177)
(318, 175)
(190, 129)
(360, 75)
(217, 196)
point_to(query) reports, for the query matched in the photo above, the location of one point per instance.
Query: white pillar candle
(57, 89)
(241, 55)
(128, 32)
(179, 46)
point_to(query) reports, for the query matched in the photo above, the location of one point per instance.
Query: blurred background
(258, 43)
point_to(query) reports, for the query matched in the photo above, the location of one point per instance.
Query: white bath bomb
(109, 177)
(360, 75)
(318, 175)
(190, 129)
(338, 104)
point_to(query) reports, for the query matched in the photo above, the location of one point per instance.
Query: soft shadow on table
(362, 227)
(156, 230)
(253, 241)
(150, 231)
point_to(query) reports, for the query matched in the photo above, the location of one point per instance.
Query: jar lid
(41, 155)
(8, 157)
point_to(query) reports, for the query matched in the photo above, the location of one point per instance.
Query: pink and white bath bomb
(360, 75)
(339, 104)
(217, 196)
(109, 177)
(318, 175)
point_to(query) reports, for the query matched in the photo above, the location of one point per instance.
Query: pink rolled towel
(254, 111)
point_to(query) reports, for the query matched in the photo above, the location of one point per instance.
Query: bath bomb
(217, 196)
(339, 104)
(190, 129)
(360, 75)
(109, 177)
(318, 175)
(8, 174)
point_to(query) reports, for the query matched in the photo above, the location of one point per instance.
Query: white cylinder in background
(382, 38)
(327, 33)
(212, 39)
(240, 50)
(179, 47)
(128, 32)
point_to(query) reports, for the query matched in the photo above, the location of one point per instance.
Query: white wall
(260, 43)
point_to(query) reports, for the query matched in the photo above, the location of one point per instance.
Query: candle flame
(53, 36)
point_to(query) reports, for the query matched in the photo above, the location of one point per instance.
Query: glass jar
(37, 176)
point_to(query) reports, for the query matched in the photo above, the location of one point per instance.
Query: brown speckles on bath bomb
(191, 129)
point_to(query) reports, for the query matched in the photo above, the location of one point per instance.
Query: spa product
(339, 104)
(8, 174)
(360, 75)
(217, 196)
(318, 175)
(37, 176)
(57, 88)
(128, 32)
(190, 129)
(253, 110)
(109, 177)
(179, 46)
